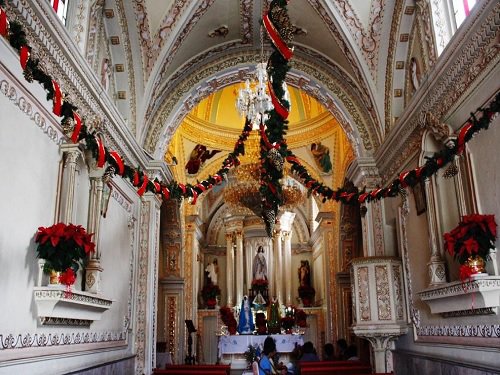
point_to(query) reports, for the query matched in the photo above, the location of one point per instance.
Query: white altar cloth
(238, 344)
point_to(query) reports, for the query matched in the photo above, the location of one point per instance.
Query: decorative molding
(58, 306)
(75, 79)
(30, 107)
(471, 52)
(182, 97)
(367, 40)
(382, 287)
(52, 339)
(142, 287)
(52, 321)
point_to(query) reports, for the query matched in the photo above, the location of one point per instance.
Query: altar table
(232, 347)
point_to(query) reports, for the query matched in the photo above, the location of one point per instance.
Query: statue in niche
(245, 326)
(321, 156)
(415, 73)
(106, 73)
(259, 268)
(304, 273)
(197, 157)
(212, 270)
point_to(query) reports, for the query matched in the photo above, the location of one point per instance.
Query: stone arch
(358, 123)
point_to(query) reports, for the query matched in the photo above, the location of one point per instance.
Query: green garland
(271, 190)
(276, 127)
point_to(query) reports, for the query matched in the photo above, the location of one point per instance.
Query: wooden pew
(334, 368)
(194, 370)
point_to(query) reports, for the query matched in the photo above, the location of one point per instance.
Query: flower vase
(211, 302)
(54, 278)
(476, 264)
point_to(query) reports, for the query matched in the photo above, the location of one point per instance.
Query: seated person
(351, 353)
(328, 349)
(309, 353)
(341, 348)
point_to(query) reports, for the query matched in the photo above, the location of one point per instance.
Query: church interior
(185, 179)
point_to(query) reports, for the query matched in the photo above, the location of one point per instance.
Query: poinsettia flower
(471, 246)
(465, 272)
(492, 226)
(53, 233)
(68, 277)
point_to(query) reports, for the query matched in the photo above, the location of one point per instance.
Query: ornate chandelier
(254, 102)
(242, 193)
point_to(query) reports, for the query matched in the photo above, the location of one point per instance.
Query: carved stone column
(71, 153)
(239, 274)
(372, 224)
(436, 264)
(277, 272)
(288, 266)
(147, 283)
(286, 222)
(230, 269)
(323, 240)
(94, 269)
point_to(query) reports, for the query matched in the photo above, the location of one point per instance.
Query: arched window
(61, 8)
(447, 16)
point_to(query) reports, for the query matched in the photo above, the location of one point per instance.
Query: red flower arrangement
(210, 291)
(64, 247)
(300, 318)
(227, 317)
(474, 236)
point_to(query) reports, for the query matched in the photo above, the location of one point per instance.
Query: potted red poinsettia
(64, 247)
(471, 241)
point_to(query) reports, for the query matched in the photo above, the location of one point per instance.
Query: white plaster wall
(29, 167)
(29, 162)
(485, 159)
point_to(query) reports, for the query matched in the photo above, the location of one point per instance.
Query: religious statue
(197, 157)
(105, 73)
(274, 317)
(321, 156)
(304, 273)
(415, 73)
(246, 326)
(213, 270)
(259, 268)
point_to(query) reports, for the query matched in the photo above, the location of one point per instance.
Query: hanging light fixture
(254, 102)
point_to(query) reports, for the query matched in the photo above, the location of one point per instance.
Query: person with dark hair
(351, 353)
(309, 353)
(328, 349)
(266, 365)
(341, 348)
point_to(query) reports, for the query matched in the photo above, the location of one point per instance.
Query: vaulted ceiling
(179, 52)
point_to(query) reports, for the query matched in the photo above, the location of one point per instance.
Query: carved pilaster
(239, 266)
(278, 265)
(436, 265)
(70, 155)
(287, 255)
(230, 269)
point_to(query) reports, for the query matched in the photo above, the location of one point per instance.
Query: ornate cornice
(51, 44)
(472, 51)
(30, 107)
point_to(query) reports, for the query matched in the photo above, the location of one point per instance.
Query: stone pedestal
(93, 276)
(379, 306)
